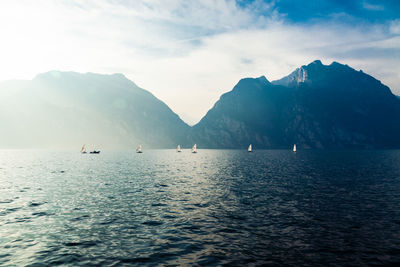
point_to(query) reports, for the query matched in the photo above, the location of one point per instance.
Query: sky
(187, 53)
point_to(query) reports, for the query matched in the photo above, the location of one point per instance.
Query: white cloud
(395, 27)
(373, 7)
(186, 52)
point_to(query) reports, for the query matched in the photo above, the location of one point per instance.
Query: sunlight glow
(183, 52)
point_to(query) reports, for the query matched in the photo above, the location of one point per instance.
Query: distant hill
(68, 109)
(316, 106)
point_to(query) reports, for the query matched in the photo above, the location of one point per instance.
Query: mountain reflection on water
(215, 207)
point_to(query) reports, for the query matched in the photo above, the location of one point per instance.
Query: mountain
(68, 109)
(316, 106)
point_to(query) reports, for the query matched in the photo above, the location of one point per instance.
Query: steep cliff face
(316, 106)
(251, 113)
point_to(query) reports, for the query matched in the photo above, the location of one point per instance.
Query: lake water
(216, 207)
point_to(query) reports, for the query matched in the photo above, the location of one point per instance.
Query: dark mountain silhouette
(316, 106)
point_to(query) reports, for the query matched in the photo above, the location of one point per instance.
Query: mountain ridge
(315, 106)
(70, 108)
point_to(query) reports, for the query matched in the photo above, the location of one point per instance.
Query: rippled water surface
(216, 207)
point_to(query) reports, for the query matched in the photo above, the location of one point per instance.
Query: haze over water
(211, 208)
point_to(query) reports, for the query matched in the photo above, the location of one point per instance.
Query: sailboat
(178, 149)
(294, 148)
(83, 149)
(194, 149)
(139, 149)
(250, 149)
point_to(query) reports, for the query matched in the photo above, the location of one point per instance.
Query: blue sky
(344, 11)
(190, 52)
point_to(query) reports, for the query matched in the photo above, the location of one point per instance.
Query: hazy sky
(187, 53)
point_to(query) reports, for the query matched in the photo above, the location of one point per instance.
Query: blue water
(216, 207)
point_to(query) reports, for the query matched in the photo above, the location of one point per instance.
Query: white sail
(178, 149)
(294, 148)
(194, 149)
(83, 149)
(250, 148)
(139, 149)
